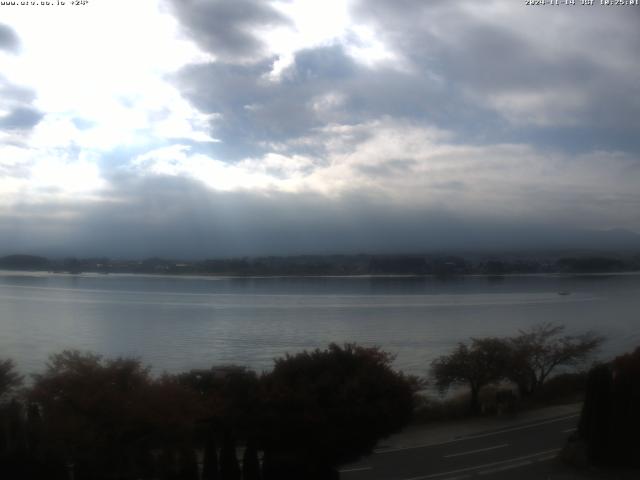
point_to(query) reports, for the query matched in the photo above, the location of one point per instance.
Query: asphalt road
(517, 452)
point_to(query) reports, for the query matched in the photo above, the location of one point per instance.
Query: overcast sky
(193, 128)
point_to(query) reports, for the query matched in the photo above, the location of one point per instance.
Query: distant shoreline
(334, 266)
(212, 276)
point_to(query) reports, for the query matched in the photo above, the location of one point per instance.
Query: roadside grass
(565, 388)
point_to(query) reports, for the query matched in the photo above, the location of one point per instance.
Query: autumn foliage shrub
(98, 419)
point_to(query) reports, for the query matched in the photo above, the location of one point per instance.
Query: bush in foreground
(327, 407)
(106, 419)
(610, 419)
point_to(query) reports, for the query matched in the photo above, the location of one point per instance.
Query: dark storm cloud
(9, 40)
(180, 218)
(226, 28)
(21, 118)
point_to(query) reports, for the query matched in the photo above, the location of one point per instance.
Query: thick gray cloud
(181, 218)
(225, 28)
(543, 70)
(17, 102)
(322, 86)
(15, 93)
(20, 118)
(491, 80)
(9, 40)
(490, 126)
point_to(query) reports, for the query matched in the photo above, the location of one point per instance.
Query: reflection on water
(184, 322)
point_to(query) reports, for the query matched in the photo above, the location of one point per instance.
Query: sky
(213, 128)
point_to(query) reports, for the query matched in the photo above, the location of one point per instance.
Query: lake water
(177, 323)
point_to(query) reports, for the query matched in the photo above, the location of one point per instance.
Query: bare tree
(537, 352)
(9, 378)
(480, 364)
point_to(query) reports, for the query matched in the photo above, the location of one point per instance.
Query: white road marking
(355, 469)
(522, 427)
(545, 458)
(472, 437)
(476, 451)
(506, 467)
(510, 461)
(568, 430)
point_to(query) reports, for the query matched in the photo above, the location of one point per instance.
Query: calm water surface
(176, 323)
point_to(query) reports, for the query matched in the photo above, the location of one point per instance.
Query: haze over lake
(177, 323)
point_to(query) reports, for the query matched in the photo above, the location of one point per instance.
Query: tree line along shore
(341, 265)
